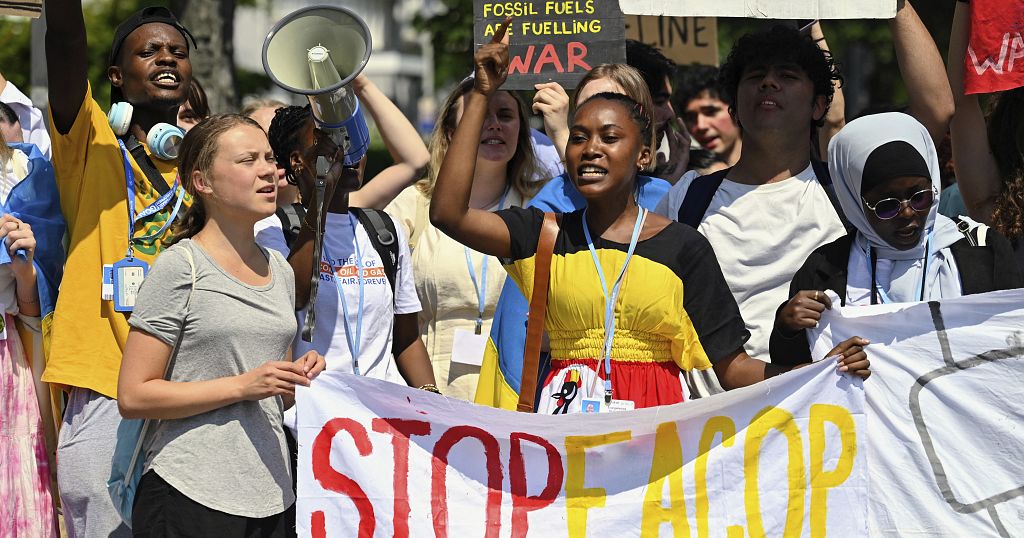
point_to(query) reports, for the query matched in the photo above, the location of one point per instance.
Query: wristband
(430, 387)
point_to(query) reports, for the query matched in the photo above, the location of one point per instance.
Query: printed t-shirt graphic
(674, 311)
(88, 335)
(379, 304)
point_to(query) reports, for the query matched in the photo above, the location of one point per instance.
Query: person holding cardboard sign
(618, 271)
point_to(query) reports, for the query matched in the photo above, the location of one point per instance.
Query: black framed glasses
(888, 208)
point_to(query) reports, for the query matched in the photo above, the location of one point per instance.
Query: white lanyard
(610, 299)
(481, 287)
(354, 341)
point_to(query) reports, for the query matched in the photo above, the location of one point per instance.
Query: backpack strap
(291, 217)
(384, 236)
(975, 232)
(825, 179)
(698, 197)
(142, 159)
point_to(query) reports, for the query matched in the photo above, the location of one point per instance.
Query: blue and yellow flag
(501, 371)
(35, 200)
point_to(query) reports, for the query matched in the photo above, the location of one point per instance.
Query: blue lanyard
(877, 293)
(481, 288)
(354, 341)
(158, 205)
(610, 300)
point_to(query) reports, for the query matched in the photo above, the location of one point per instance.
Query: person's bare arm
(410, 353)
(142, 391)
(480, 230)
(741, 370)
(835, 118)
(976, 170)
(403, 142)
(67, 64)
(931, 100)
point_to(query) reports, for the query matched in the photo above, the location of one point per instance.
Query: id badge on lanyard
(611, 403)
(121, 280)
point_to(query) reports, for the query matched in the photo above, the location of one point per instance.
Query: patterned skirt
(27, 507)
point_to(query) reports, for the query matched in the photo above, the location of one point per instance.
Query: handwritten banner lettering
(944, 436)
(780, 458)
(553, 40)
(684, 40)
(995, 53)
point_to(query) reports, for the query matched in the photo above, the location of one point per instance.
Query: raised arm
(931, 100)
(480, 230)
(403, 142)
(835, 118)
(67, 61)
(977, 173)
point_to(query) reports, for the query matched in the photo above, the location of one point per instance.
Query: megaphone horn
(335, 45)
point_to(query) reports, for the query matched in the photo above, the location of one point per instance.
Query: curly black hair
(692, 81)
(641, 117)
(651, 63)
(777, 46)
(285, 130)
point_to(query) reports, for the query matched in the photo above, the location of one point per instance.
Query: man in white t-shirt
(772, 209)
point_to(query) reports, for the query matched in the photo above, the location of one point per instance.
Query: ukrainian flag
(501, 371)
(35, 201)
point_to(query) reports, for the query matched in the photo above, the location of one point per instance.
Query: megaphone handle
(322, 166)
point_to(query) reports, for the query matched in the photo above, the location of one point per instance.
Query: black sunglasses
(888, 208)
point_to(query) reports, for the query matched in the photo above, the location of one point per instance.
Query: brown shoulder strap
(538, 309)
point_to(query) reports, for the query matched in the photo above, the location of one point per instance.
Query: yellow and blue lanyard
(158, 205)
(354, 341)
(611, 299)
(481, 287)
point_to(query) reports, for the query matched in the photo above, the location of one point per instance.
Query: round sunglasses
(889, 208)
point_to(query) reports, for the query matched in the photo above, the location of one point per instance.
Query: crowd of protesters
(702, 216)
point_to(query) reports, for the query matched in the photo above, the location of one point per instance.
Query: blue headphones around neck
(163, 139)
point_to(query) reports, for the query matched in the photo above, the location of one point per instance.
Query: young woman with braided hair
(621, 329)
(356, 301)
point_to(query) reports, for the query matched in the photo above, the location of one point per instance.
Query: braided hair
(643, 117)
(285, 136)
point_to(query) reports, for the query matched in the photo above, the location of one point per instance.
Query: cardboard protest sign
(553, 40)
(782, 458)
(945, 428)
(24, 8)
(764, 9)
(995, 53)
(684, 40)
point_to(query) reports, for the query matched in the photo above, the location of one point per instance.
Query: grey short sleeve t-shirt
(233, 459)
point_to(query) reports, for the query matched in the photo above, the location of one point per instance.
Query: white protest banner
(781, 458)
(27, 8)
(945, 406)
(764, 9)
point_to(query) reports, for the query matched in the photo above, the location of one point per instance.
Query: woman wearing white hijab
(886, 176)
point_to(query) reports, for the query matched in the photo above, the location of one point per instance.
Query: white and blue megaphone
(317, 51)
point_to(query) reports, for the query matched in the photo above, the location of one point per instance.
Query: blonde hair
(520, 170)
(5, 151)
(252, 106)
(632, 83)
(198, 150)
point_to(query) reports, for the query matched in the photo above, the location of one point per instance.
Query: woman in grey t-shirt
(216, 462)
